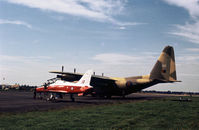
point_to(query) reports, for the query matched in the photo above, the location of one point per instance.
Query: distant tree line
(27, 87)
(17, 87)
(171, 92)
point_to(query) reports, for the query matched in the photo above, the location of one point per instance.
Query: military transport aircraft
(61, 86)
(164, 71)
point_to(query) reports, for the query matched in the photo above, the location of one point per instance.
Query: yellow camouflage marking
(143, 80)
(117, 78)
(161, 57)
(172, 67)
(145, 76)
(121, 82)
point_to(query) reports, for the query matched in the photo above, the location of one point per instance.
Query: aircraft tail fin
(165, 69)
(86, 78)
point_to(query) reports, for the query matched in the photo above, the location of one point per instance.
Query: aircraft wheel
(47, 99)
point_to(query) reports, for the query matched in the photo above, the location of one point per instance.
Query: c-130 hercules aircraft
(164, 71)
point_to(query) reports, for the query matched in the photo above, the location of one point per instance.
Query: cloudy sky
(120, 38)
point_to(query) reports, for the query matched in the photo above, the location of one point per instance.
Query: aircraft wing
(65, 73)
(76, 76)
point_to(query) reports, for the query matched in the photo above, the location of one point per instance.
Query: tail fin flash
(86, 78)
(165, 69)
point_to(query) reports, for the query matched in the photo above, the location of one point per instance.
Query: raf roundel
(129, 84)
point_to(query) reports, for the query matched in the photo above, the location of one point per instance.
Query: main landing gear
(52, 97)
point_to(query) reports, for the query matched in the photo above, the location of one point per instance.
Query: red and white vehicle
(63, 87)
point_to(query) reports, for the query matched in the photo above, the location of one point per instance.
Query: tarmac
(20, 102)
